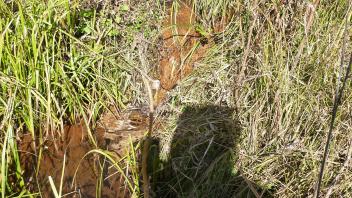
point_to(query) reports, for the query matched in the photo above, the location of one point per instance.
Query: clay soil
(182, 48)
(70, 153)
(81, 174)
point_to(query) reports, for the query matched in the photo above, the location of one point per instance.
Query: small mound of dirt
(120, 129)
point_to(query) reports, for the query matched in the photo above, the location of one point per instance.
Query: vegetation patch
(238, 95)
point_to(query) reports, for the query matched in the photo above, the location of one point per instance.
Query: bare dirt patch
(181, 48)
(115, 132)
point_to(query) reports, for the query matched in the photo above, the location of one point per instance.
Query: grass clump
(46, 79)
(62, 62)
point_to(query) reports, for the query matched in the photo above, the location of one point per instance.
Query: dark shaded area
(202, 157)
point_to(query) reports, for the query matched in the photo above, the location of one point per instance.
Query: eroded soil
(115, 132)
(182, 48)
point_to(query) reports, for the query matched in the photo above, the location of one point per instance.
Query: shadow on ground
(202, 157)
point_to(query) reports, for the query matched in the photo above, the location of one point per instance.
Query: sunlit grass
(62, 63)
(53, 73)
(283, 108)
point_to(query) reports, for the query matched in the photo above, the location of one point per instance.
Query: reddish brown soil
(179, 52)
(74, 147)
(114, 132)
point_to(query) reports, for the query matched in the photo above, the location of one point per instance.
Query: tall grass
(283, 108)
(61, 62)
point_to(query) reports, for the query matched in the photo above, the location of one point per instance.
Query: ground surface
(243, 107)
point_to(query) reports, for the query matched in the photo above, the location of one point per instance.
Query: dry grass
(284, 109)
